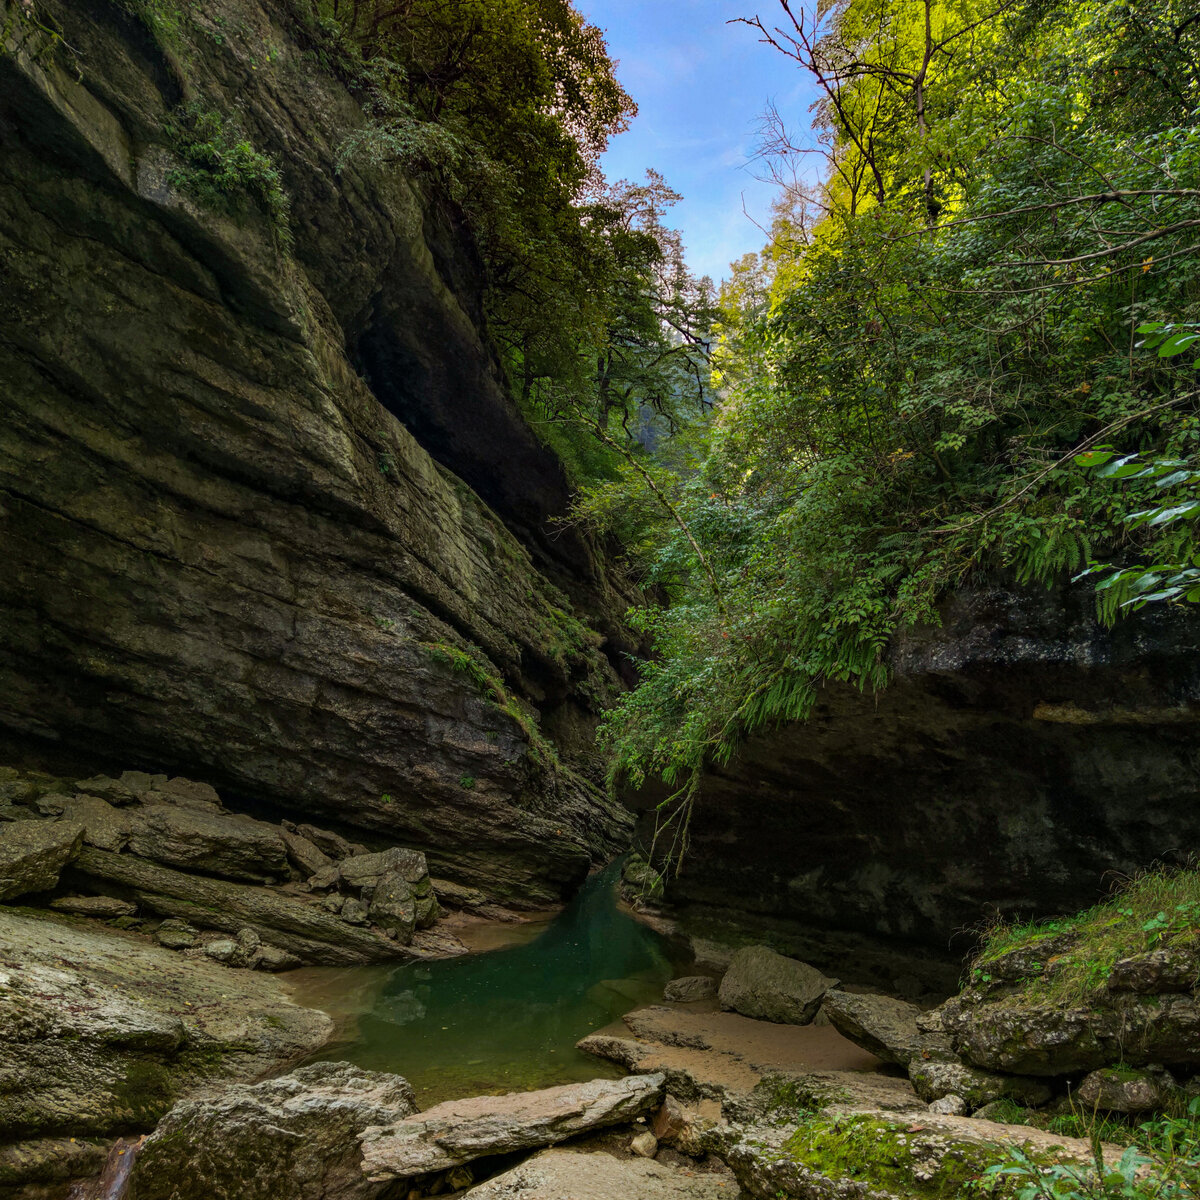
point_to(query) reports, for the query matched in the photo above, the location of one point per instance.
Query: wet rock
(689, 988)
(214, 843)
(1174, 969)
(770, 987)
(882, 1025)
(176, 934)
(584, 1175)
(644, 1145)
(101, 907)
(100, 1032)
(301, 927)
(33, 854)
(292, 1138)
(458, 1131)
(935, 1079)
(30, 1166)
(1125, 1090)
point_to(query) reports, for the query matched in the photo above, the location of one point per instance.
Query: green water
(506, 1019)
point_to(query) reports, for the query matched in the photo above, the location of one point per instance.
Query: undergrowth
(1157, 910)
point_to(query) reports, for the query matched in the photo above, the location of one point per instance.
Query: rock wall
(223, 554)
(1021, 754)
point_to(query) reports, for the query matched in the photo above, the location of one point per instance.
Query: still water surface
(505, 1019)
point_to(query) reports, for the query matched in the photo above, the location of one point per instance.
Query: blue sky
(701, 86)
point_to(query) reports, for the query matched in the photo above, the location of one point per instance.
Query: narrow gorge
(485, 712)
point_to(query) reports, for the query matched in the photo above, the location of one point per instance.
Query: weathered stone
(356, 912)
(584, 1175)
(33, 854)
(644, 1144)
(1027, 1036)
(299, 926)
(292, 1138)
(455, 895)
(950, 1105)
(461, 1130)
(102, 907)
(303, 854)
(1173, 969)
(329, 843)
(189, 793)
(226, 951)
(689, 988)
(115, 791)
(935, 1078)
(104, 826)
(272, 958)
(361, 870)
(32, 1165)
(393, 906)
(195, 839)
(176, 934)
(100, 1032)
(1125, 1090)
(882, 1025)
(770, 987)
(139, 782)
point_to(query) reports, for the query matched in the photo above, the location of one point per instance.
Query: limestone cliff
(224, 550)
(1020, 755)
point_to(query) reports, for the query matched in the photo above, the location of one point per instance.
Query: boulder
(300, 926)
(882, 1025)
(1172, 969)
(214, 843)
(101, 907)
(115, 791)
(101, 1033)
(364, 870)
(33, 854)
(292, 1138)
(188, 793)
(1126, 1090)
(583, 1175)
(1025, 1035)
(770, 987)
(458, 1131)
(950, 1105)
(103, 825)
(689, 988)
(934, 1079)
(176, 934)
(303, 854)
(393, 906)
(329, 843)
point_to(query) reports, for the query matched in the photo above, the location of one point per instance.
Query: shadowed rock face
(223, 555)
(1020, 753)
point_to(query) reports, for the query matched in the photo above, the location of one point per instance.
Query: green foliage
(222, 169)
(1159, 909)
(916, 367)
(1165, 1166)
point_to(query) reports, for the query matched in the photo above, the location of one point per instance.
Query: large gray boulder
(689, 989)
(33, 854)
(292, 1138)
(458, 1131)
(934, 1079)
(770, 987)
(1126, 1090)
(882, 1025)
(101, 1033)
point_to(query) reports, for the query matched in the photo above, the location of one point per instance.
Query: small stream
(505, 1019)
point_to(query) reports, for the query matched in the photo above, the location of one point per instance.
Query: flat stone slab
(595, 1175)
(458, 1131)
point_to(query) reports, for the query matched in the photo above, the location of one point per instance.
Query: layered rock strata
(224, 552)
